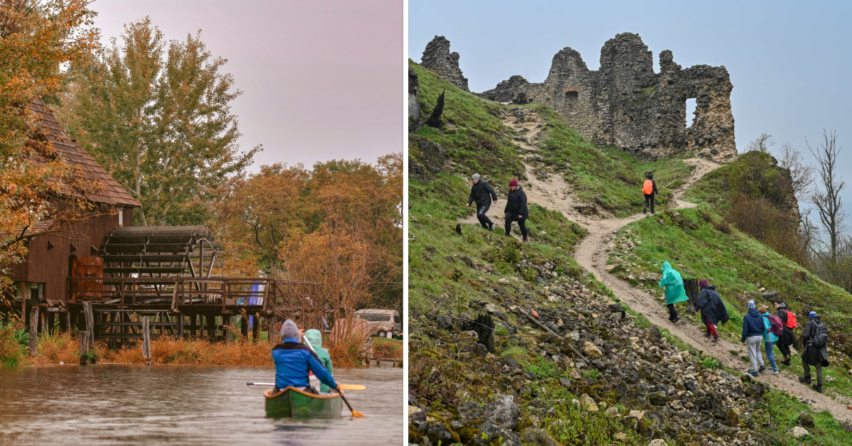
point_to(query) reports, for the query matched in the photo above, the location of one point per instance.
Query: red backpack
(791, 320)
(775, 325)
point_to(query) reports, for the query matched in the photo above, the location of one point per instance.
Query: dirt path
(551, 191)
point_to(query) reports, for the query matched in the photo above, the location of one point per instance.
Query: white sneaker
(773, 372)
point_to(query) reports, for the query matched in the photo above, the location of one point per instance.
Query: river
(187, 405)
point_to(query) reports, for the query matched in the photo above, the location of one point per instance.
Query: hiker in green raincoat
(673, 283)
(315, 338)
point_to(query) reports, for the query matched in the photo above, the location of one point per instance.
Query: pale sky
(321, 80)
(789, 61)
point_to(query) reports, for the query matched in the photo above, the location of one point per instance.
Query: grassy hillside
(702, 245)
(455, 277)
(476, 141)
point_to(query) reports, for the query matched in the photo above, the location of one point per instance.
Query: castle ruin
(624, 103)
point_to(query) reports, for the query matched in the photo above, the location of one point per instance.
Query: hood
(289, 330)
(314, 337)
(710, 287)
(666, 266)
(753, 312)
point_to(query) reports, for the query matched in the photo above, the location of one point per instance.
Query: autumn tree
(283, 218)
(37, 37)
(157, 116)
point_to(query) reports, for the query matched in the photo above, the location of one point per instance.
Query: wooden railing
(177, 292)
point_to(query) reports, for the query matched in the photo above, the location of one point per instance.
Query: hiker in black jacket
(516, 209)
(649, 188)
(713, 311)
(787, 337)
(482, 193)
(813, 355)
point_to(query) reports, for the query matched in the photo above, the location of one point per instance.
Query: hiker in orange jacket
(649, 188)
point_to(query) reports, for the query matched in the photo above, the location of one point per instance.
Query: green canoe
(295, 403)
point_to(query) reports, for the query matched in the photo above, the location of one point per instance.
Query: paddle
(342, 386)
(355, 413)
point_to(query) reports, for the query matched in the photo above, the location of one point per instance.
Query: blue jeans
(770, 353)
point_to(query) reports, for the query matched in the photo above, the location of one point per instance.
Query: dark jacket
(293, 361)
(752, 324)
(655, 192)
(812, 355)
(787, 337)
(482, 193)
(516, 203)
(712, 308)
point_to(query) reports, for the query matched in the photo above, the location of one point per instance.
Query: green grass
(738, 265)
(480, 143)
(448, 270)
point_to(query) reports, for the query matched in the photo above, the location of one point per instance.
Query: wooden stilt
(226, 328)
(180, 326)
(255, 329)
(84, 347)
(34, 316)
(244, 324)
(270, 329)
(146, 340)
(211, 327)
(90, 322)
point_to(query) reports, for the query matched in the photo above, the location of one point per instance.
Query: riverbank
(62, 348)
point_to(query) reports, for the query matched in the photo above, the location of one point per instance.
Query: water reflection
(100, 405)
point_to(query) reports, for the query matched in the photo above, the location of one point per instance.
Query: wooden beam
(146, 340)
(34, 316)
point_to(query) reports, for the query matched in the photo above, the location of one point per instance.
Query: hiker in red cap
(713, 311)
(516, 209)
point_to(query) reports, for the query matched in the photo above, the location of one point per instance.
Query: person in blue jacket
(769, 339)
(294, 361)
(753, 327)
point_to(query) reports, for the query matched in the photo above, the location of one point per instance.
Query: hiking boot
(805, 379)
(786, 361)
(526, 239)
(753, 373)
(707, 335)
(676, 319)
(491, 226)
(715, 340)
(762, 368)
(774, 372)
(817, 387)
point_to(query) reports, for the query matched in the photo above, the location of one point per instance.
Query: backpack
(775, 325)
(648, 187)
(791, 320)
(820, 339)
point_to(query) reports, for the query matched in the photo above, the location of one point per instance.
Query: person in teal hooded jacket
(315, 338)
(673, 283)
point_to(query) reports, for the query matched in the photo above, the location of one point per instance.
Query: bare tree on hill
(827, 197)
(801, 173)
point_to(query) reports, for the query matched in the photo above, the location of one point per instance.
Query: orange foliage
(62, 347)
(337, 226)
(37, 37)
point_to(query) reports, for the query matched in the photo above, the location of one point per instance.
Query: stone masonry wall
(624, 103)
(437, 57)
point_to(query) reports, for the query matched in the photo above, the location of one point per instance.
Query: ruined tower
(437, 57)
(625, 103)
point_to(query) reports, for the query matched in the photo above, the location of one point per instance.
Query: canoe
(296, 403)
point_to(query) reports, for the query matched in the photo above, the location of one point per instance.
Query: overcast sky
(789, 62)
(321, 80)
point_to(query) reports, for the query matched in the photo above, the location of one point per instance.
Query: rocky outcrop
(425, 157)
(625, 103)
(413, 102)
(438, 58)
(626, 372)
